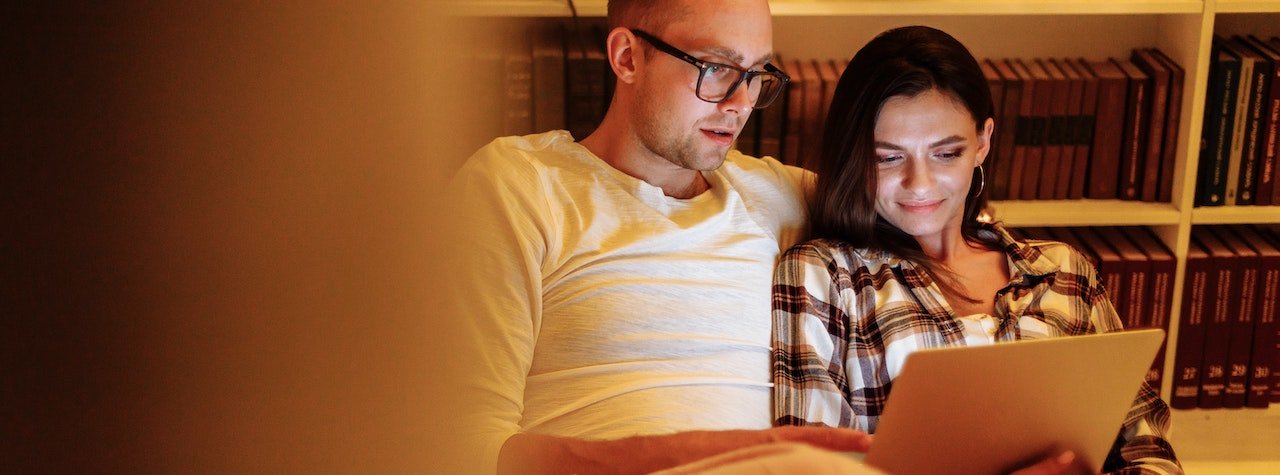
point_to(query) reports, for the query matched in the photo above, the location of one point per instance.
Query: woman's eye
(951, 154)
(889, 158)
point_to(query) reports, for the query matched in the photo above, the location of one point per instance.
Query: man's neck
(617, 147)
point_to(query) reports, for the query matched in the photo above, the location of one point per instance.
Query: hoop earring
(982, 180)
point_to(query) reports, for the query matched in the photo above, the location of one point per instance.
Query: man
(616, 290)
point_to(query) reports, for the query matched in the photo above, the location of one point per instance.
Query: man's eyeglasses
(717, 82)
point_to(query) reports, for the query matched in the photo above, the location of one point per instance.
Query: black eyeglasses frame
(744, 75)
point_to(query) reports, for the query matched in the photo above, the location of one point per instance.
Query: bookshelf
(1093, 29)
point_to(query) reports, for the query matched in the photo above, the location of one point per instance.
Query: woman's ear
(620, 45)
(984, 140)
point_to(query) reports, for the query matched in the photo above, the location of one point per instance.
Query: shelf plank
(982, 7)
(1236, 215)
(1227, 440)
(1085, 213)
(597, 8)
(1248, 6)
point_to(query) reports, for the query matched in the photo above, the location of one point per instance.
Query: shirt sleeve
(1142, 447)
(810, 342)
(497, 238)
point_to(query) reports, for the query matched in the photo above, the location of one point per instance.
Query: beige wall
(216, 235)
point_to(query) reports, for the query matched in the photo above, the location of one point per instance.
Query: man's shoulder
(766, 176)
(530, 148)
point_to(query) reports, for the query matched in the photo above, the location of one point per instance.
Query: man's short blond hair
(652, 16)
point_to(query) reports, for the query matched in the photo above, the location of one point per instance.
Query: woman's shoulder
(834, 251)
(1043, 256)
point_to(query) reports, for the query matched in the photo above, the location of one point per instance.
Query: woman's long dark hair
(905, 62)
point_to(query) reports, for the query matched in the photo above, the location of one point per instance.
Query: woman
(900, 260)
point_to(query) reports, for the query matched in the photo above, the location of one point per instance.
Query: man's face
(670, 120)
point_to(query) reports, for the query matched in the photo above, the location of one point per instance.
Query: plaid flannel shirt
(845, 319)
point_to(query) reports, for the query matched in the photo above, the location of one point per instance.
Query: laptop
(992, 409)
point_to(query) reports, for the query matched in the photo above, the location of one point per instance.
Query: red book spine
(1188, 359)
(1241, 299)
(1213, 379)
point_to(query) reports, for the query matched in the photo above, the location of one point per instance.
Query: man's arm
(539, 454)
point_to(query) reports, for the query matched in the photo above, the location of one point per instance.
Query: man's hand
(1051, 465)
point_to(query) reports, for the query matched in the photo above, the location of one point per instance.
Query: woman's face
(926, 149)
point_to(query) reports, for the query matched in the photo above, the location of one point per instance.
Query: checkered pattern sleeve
(810, 339)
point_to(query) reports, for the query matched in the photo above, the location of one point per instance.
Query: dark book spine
(1213, 379)
(1008, 121)
(1251, 136)
(1241, 312)
(1262, 357)
(1219, 115)
(1084, 129)
(1173, 124)
(1134, 147)
(1104, 158)
(1157, 110)
(1189, 354)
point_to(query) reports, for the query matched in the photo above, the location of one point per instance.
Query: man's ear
(621, 45)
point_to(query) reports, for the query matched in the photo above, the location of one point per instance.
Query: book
(1006, 129)
(1110, 266)
(1217, 333)
(996, 85)
(517, 90)
(771, 120)
(1108, 130)
(1028, 152)
(1268, 121)
(1219, 113)
(1136, 266)
(1073, 141)
(584, 83)
(1172, 127)
(1157, 112)
(1273, 141)
(548, 80)
(1199, 282)
(1262, 361)
(1133, 150)
(1055, 132)
(1084, 129)
(794, 118)
(811, 117)
(1241, 299)
(1273, 238)
(1159, 292)
(1242, 162)
(830, 74)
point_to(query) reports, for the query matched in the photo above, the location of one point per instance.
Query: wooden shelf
(597, 8)
(1236, 215)
(1248, 6)
(1086, 213)
(1228, 441)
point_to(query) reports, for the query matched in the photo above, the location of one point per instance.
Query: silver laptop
(991, 409)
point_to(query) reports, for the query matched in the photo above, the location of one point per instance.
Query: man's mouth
(724, 136)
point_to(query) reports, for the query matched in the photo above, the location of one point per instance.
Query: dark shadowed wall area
(216, 235)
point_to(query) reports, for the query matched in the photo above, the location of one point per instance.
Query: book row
(1067, 128)
(1135, 267)
(1228, 340)
(1239, 146)
(1227, 333)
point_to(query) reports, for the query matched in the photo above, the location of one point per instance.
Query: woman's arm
(810, 342)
